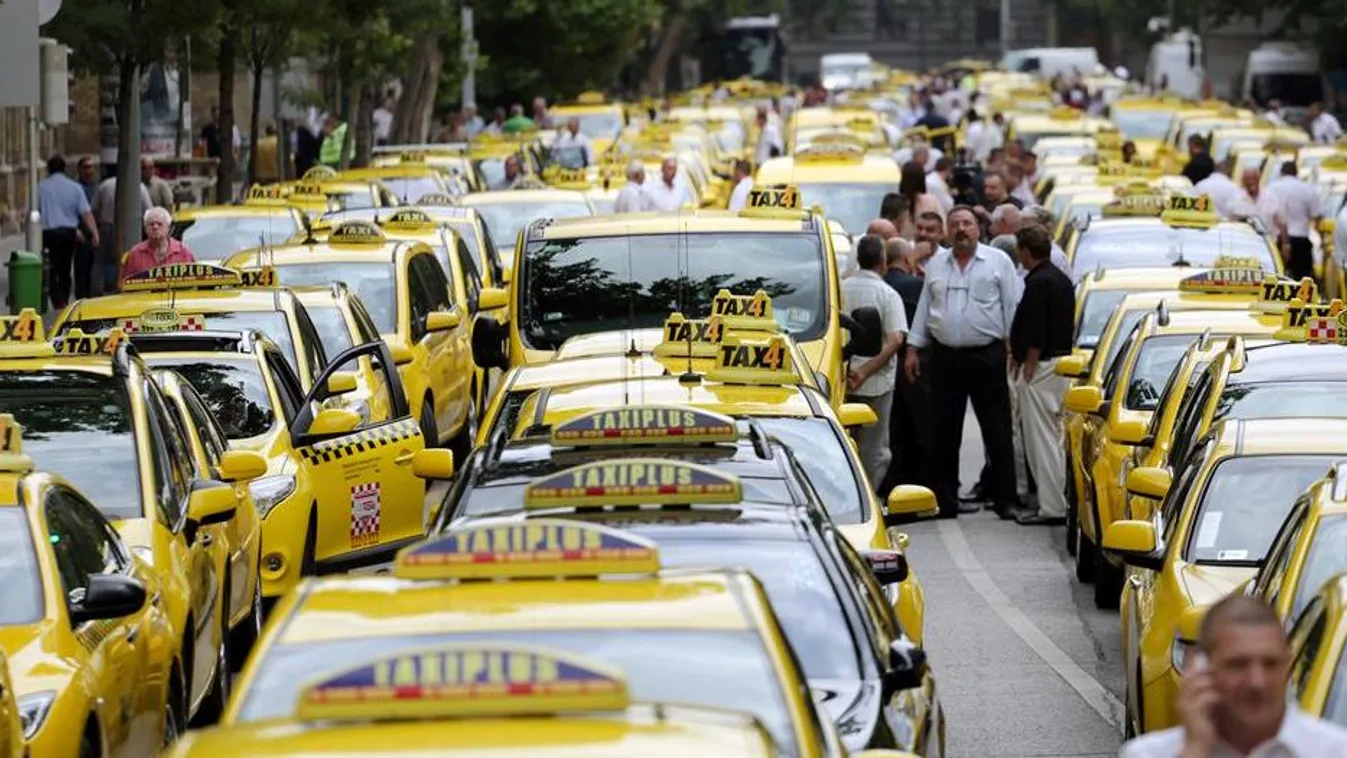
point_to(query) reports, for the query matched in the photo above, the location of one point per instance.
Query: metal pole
(1005, 27)
(33, 229)
(469, 56)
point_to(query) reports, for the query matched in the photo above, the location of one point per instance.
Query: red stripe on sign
(668, 489)
(407, 693)
(596, 491)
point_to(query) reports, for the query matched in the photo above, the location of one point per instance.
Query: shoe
(968, 507)
(1010, 512)
(1038, 519)
(948, 514)
(975, 495)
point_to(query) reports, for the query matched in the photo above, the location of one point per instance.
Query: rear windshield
(825, 460)
(232, 388)
(332, 329)
(504, 220)
(20, 582)
(79, 425)
(1094, 315)
(214, 238)
(1157, 359)
(271, 323)
(1244, 504)
(373, 282)
(1134, 246)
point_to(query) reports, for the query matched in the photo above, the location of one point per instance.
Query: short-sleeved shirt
(1300, 204)
(142, 258)
(739, 198)
(866, 289)
(105, 202)
(61, 201)
(632, 199)
(666, 198)
(1046, 315)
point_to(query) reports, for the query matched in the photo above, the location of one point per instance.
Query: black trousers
(58, 247)
(910, 427)
(958, 375)
(1302, 259)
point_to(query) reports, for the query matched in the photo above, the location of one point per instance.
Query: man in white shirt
(978, 138)
(968, 302)
(1233, 695)
(383, 119)
(870, 379)
(1302, 208)
(770, 143)
(1324, 126)
(743, 182)
(572, 139)
(1263, 204)
(1340, 242)
(632, 198)
(669, 192)
(1224, 193)
(937, 183)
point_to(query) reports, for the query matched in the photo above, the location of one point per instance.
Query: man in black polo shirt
(1039, 335)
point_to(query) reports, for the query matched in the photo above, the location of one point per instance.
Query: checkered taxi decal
(362, 441)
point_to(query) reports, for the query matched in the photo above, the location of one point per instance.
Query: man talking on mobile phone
(1232, 701)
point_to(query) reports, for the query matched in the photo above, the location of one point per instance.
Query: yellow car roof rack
(534, 549)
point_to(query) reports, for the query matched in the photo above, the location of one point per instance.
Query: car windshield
(232, 388)
(373, 282)
(825, 460)
(1133, 246)
(271, 323)
(1156, 360)
(1283, 400)
(409, 189)
(214, 238)
(79, 425)
(1127, 322)
(332, 330)
(596, 125)
(1094, 315)
(800, 592)
(1244, 504)
(584, 285)
(1081, 209)
(354, 199)
(719, 669)
(504, 220)
(1135, 123)
(20, 582)
(852, 204)
(1327, 558)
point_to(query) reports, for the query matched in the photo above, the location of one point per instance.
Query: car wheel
(467, 436)
(174, 709)
(1107, 582)
(428, 429)
(244, 636)
(1085, 565)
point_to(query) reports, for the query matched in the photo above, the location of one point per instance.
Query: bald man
(1264, 205)
(882, 228)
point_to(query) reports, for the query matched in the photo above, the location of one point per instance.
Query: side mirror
(1149, 481)
(1133, 541)
(1128, 432)
(341, 383)
(108, 596)
(488, 342)
(334, 421)
(211, 503)
(907, 667)
(433, 464)
(402, 354)
(441, 321)
(856, 414)
(1072, 366)
(1085, 398)
(494, 298)
(888, 566)
(908, 502)
(240, 466)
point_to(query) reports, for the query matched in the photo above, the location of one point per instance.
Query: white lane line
(1090, 690)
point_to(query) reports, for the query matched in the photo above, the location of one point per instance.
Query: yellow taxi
(407, 181)
(1144, 121)
(90, 669)
(507, 212)
(1099, 292)
(847, 182)
(684, 260)
(503, 700)
(578, 588)
(600, 121)
(1117, 416)
(413, 305)
(1062, 121)
(215, 232)
(96, 417)
(1211, 532)
(1308, 551)
(726, 122)
(343, 322)
(450, 159)
(1201, 121)
(199, 296)
(1081, 207)
(1317, 640)
(359, 194)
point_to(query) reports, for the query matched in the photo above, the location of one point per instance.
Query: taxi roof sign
(409, 220)
(265, 194)
(1189, 212)
(319, 173)
(633, 481)
(590, 97)
(745, 312)
(355, 234)
(307, 190)
(262, 276)
(436, 199)
(465, 680)
(76, 342)
(23, 329)
(775, 196)
(1226, 280)
(1274, 293)
(181, 276)
(645, 424)
(1314, 323)
(538, 548)
(12, 459)
(412, 156)
(163, 319)
(744, 360)
(690, 337)
(830, 151)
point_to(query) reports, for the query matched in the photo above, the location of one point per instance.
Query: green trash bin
(25, 281)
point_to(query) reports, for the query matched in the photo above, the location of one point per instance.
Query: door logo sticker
(365, 507)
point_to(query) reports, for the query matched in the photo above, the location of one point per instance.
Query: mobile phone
(1199, 661)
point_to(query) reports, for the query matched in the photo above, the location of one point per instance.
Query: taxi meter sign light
(265, 194)
(163, 320)
(743, 360)
(537, 548)
(647, 423)
(1189, 212)
(412, 156)
(409, 220)
(264, 276)
(1108, 140)
(355, 234)
(750, 313)
(181, 276)
(633, 481)
(76, 342)
(1275, 293)
(776, 197)
(466, 680)
(307, 189)
(436, 199)
(320, 173)
(24, 328)
(690, 337)
(1228, 279)
(1315, 323)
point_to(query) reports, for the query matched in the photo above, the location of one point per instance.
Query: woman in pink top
(158, 249)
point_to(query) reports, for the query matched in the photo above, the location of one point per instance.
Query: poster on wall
(160, 99)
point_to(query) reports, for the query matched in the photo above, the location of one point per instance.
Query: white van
(844, 70)
(1048, 62)
(1284, 71)
(1176, 66)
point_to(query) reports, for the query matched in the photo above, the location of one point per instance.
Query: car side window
(432, 276)
(1189, 418)
(364, 325)
(81, 541)
(883, 623)
(165, 426)
(1114, 370)
(287, 386)
(207, 430)
(1273, 574)
(1172, 507)
(492, 255)
(472, 280)
(311, 342)
(421, 302)
(1306, 637)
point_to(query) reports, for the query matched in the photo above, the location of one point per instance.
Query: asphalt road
(1025, 664)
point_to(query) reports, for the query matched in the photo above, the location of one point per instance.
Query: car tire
(429, 431)
(1108, 581)
(1085, 560)
(89, 740)
(244, 636)
(1072, 541)
(467, 436)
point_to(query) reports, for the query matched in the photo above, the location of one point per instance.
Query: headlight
(1179, 654)
(269, 491)
(33, 710)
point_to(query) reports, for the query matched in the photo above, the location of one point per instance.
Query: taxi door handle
(132, 635)
(405, 458)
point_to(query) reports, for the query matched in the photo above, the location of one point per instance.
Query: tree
(274, 35)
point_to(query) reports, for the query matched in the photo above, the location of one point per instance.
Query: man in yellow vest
(334, 134)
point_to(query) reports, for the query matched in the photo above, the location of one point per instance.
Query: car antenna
(1180, 260)
(690, 376)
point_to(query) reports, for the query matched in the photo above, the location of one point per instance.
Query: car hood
(1206, 584)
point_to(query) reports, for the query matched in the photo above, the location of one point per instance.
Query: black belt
(971, 349)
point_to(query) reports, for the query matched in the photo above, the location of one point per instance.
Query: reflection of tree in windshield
(233, 394)
(64, 402)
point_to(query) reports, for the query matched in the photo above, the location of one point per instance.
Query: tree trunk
(348, 135)
(430, 89)
(364, 125)
(128, 157)
(287, 127)
(255, 121)
(670, 36)
(227, 65)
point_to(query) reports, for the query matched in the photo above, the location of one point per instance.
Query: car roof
(186, 301)
(523, 196)
(1219, 321)
(1286, 436)
(730, 399)
(667, 222)
(1166, 278)
(1292, 362)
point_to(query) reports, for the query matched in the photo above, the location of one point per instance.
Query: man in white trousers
(1039, 335)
